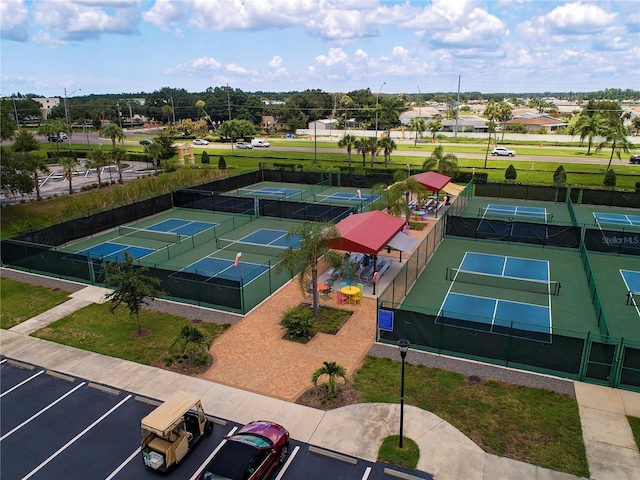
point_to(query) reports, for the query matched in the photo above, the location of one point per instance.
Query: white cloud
(165, 14)
(334, 57)
(80, 20)
(14, 20)
(577, 18)
(198, 65)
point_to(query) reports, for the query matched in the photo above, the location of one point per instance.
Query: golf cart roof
(163, 418)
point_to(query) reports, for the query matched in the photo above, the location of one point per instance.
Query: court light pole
(377, 96)
(403, 344)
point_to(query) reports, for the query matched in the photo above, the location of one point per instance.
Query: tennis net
(166, 237)
(239, 246)
(499, 281)
(632, 299)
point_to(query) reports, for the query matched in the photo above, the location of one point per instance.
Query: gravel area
(41, 280)
(482, 370)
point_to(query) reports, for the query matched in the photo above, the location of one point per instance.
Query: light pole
(377, 96)
(419, 111)
(403, 344)
(66, 113)
(408, 170)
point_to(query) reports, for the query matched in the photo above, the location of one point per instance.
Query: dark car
(55, 138)
(145, 142)
(635, 159)
(252, 453)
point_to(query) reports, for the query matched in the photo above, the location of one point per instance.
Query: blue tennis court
(271, 238)
(348, 197)
(211, 267)
(269, 192)
(494, 314)
(181, 227)
(111, 251)
(517, 211)
(616, 219)
(503, 266)
(631, 280)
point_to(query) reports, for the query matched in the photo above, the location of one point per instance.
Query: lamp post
(403, 344)
(408, 170)
(66, 113)
(419, 109)
(377, 96)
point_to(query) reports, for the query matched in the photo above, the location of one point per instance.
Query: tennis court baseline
(616, 219)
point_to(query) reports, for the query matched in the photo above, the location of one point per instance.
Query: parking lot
(54, 426)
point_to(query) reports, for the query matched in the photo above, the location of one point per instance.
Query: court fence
(579, 196)
(588, 357)
(596, 299)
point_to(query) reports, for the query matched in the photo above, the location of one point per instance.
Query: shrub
(222, 163)
(298, 322)
(204, 158)
(610, 178)
(560, 176)
(510, 173)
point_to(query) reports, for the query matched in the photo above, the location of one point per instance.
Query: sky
(83, 47)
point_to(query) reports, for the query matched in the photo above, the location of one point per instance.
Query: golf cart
(172, 430)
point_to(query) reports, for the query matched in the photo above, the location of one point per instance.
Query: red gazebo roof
(367, 232)
(432, 180)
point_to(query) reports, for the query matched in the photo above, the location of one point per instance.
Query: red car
(252, 453)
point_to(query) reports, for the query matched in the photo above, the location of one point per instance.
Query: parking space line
(74, 439)
(36, 415)
(287, 463)
(212, 454)
(2, 361)
(22, 383)
(124, 464)
(367, 472)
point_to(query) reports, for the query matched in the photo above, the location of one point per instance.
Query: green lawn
(21, 301)
(95, 329)
(528, 424)
(634, 422)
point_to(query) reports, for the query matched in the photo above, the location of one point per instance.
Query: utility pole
(455, 132)
(66, 114)
(130, 114)
(377, 96)
(15, 110)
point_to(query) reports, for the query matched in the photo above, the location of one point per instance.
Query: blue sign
(385, 320)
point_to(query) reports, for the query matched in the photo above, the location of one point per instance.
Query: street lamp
(403, 344)
(408, 170)
(419, 110)
(66, 113)
(377, 96)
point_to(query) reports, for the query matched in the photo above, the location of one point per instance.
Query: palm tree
(69, 165)
(418, 125)
(589, 127)
(154, 152)
(96, 158)
(38, 165)
(349, 142)
(114, 132)
(396, 197)
(192, 341)
(445, 163)
(51, 129)
(304, 259)
(616, 135)
(434, 127)
(118, 155)
(373, 147)
(362, 147)
(333, 371)
(388, 145)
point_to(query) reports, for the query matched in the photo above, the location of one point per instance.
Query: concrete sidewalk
(356, 430)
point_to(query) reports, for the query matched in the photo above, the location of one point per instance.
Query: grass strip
(527, 424)
(95, 329)
(634, 422)
(21, 301)
(407, 456)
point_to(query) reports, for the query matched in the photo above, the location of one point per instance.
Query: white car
(63, 136)
(244, 145)
(258, 142)
(503, 152)
(200, 141)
